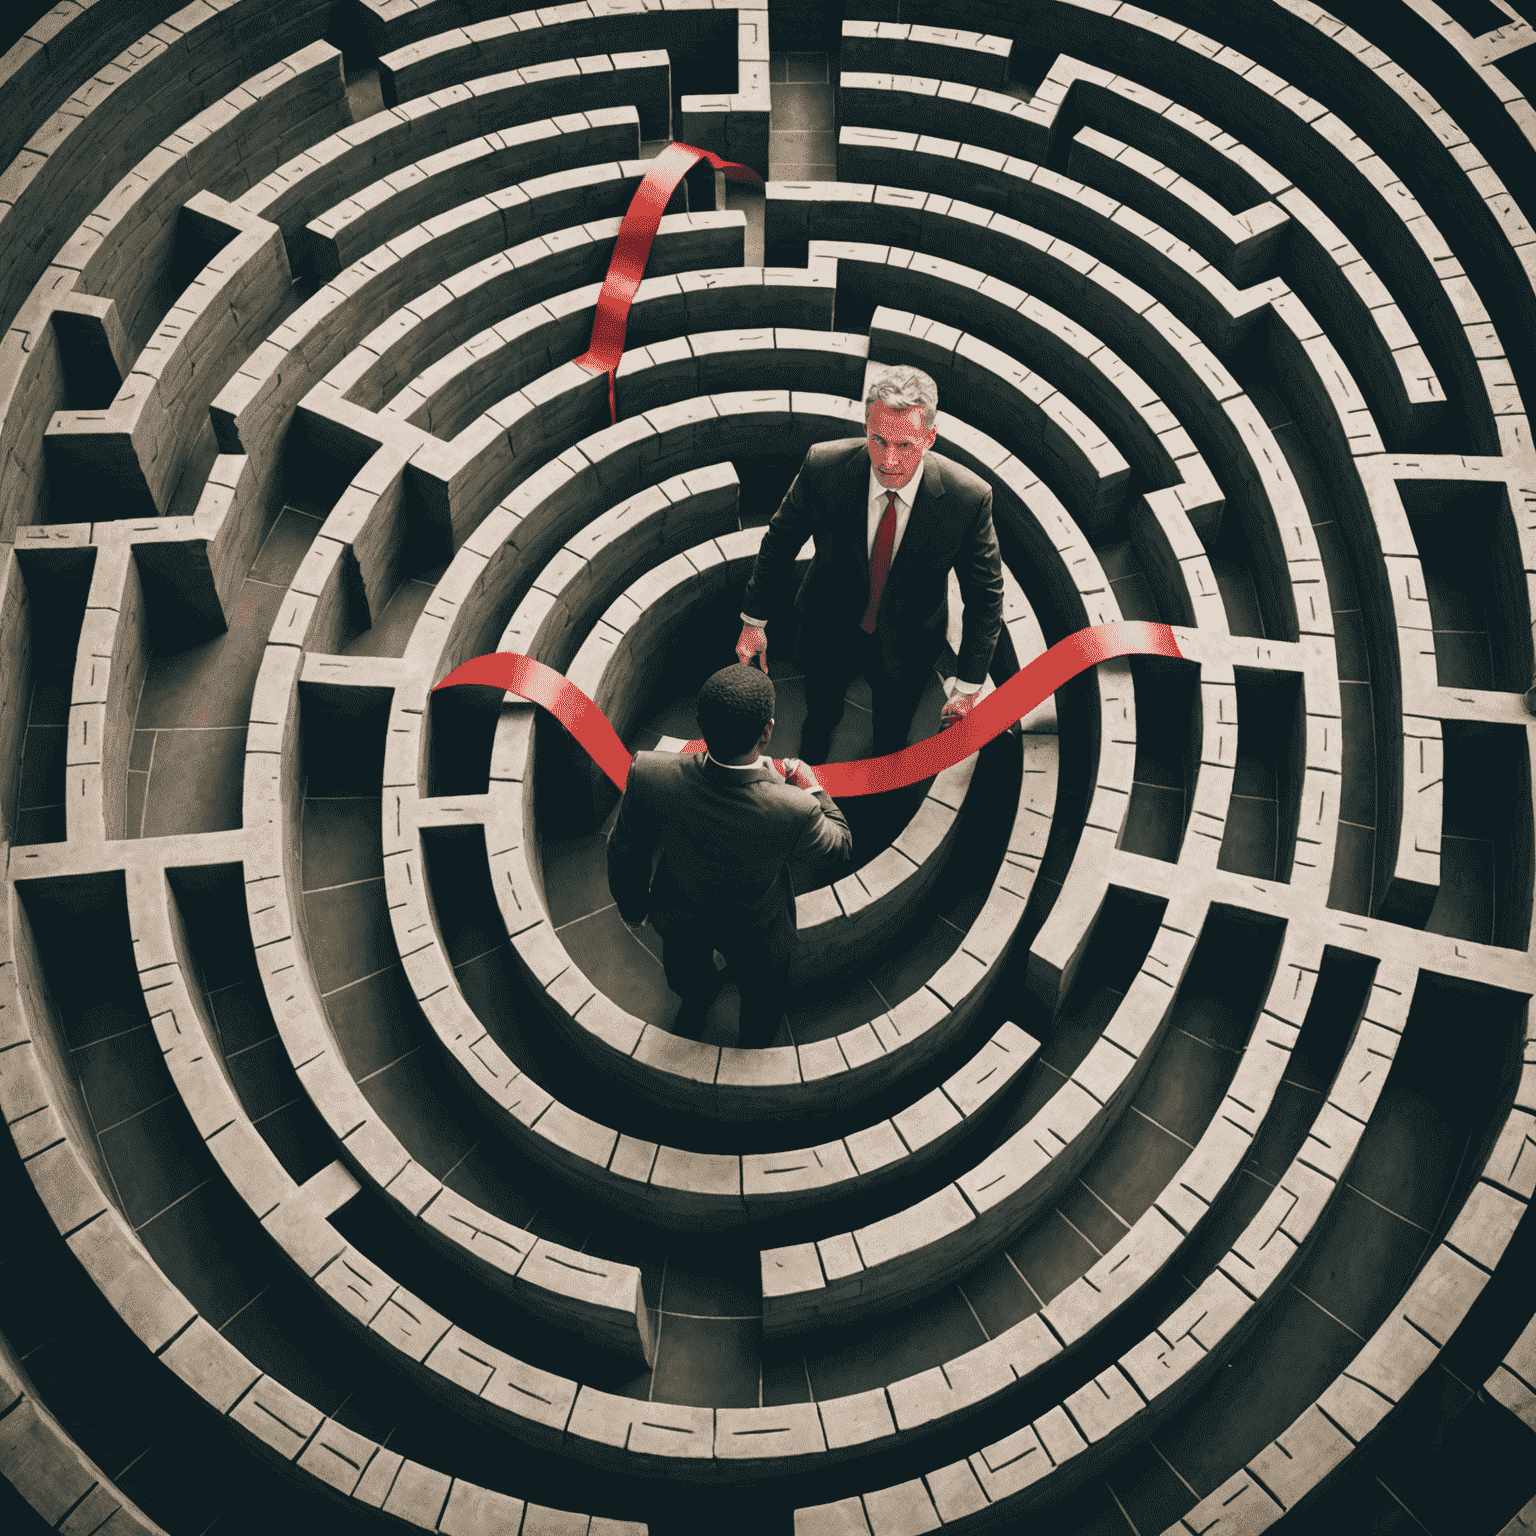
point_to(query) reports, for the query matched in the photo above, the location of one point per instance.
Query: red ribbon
(1012, 700)
(633, 247)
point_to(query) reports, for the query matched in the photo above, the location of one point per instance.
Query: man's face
(897, 442)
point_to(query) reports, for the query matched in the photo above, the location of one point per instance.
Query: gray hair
(901, 388)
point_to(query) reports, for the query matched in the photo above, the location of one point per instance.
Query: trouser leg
(688, 958)
(895, 701)
(760, 963)
(825, 691)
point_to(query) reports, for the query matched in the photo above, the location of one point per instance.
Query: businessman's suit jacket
(726, 836)
(950, 527)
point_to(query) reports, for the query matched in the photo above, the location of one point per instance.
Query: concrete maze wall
(1150, 1145)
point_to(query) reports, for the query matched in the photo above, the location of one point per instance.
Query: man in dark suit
(890, 519)
(727, 824)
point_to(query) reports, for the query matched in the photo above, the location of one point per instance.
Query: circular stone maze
(1150, 1143)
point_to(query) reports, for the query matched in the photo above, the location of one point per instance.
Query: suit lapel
(853, 492)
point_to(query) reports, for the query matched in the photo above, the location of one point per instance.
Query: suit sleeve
(631, 845)
(783, 539)
(980, 573)
(825, 838)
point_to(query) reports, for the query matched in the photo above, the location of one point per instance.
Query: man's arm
(631, 844)
(783, 539)
(825, 838)
(980, 573)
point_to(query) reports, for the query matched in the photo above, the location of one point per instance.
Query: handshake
(753, 646)
(797, 773)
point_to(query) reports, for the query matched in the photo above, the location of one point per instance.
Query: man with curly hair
(727, 823)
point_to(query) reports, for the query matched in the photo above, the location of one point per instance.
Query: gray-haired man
(891, 519)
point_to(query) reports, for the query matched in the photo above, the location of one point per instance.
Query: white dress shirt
(906, 495)
(739, 767)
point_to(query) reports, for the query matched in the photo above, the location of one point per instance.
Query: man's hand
(798, 774)
(957, 707)
(752, 644)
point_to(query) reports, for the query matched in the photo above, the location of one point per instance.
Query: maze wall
(1150, 1145)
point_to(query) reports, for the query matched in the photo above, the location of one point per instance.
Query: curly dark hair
(733, 706)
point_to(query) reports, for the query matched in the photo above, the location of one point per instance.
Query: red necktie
(880, 561)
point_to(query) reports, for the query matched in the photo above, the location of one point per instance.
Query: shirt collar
(906, 494)
(734, 767)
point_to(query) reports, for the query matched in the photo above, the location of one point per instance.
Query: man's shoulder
(783, 805)
(663, 768)
(682, 772)
(831, 455)
(958, 480)
(782, 796)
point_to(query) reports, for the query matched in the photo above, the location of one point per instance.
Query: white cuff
(747, 618)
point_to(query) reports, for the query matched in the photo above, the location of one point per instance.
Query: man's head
(899, 414)
(733, 707)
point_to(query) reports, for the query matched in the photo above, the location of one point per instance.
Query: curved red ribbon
(1010, 701)
(633, 247)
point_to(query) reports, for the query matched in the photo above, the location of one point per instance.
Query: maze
(1151, 1143)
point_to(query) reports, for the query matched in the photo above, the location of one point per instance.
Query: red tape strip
(633, 248)
(532, 680)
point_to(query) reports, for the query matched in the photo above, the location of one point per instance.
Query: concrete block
(338, 1456)
(210, 1365)
(843, 1518)
(652, 1432)
(766, 1434)
(1015, 1462)
(472, 1511)
(1297, 1460)
(918, 1227)
(276, 1416)
(857, 1419)
(1239, 1507)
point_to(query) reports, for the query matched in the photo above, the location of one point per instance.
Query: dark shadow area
(58, 585)
(1382, 1222)
(1465, 536)
(1222, 990)
(1338, 1000)
(1168, 733)
(341, 733)
(1486, 858)
(853, 311)
(198, 240)
(187, 762)
(1257, 599)
(165, 1180)
(1449, 1450)
(1212, 1014)
(765, 481)
(372, 1223)
(147, 1432)
(319, 462)
(210, 905)
(1477, 16)
(1120, 937)
(1260, 835)
(461, 729)
(92, 376)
